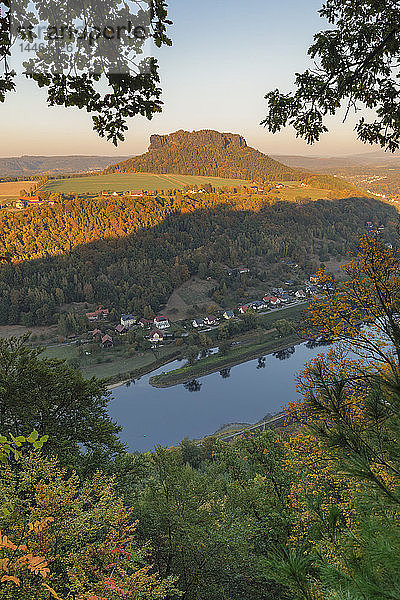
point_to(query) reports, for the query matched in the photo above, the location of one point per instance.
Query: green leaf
(33, 436)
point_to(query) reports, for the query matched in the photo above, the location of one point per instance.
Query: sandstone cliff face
(204, 137)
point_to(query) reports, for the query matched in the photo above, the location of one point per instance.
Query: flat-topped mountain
(208, 153)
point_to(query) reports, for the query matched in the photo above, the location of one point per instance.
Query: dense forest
(208, 153)
(129, 254)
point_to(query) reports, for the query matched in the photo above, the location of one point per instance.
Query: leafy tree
(284, 327)
(127, 94)
(191, 353)
(356, 63)
(224, 347)
(53, 398)
(346, 498)
(74, 539)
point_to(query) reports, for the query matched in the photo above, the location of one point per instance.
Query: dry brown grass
(194, 291)
(7, 331)
(14, 188)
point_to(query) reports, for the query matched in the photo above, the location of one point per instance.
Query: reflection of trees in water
(225, 373)
(193, 385)
(129, 382)
(318, 343)
(284, 354)
(261, 362)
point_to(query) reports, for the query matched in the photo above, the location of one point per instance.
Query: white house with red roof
(161, 322)
(273, 300)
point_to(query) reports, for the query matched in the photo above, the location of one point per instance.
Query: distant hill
(319, 164)
(207, 153)
(26, 166)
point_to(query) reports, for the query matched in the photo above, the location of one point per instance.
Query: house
(274, 301)
(284, 298)
(145, 322)
(120, 329)
(228, 314)
(300, 294)
(136, 193)
(100, 313)
(258, 305)
(30, 199)
(161, 322)
(128, 320)
(107, 341)
(244, 270)
(198, 323)
(156, 336)
(210, 320)
(314, 279)
(242, 309)
(97, 333)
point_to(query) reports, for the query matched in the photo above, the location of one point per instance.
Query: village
(159, 329)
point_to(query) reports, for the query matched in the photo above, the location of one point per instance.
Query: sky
(226, 55)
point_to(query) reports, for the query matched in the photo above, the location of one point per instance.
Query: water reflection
(285, 353)
(225, 373)
(193, 386)
(261, 362)
(318, 343)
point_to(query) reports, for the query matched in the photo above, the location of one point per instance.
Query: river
(243, 394)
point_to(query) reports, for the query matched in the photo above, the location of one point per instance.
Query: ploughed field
(135, 181)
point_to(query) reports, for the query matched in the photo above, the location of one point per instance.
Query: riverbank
(216, 362)
(136, 373)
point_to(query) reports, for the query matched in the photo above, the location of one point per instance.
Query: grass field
(134, 181)
(12, 189)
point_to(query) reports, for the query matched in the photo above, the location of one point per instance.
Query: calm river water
(244, 394)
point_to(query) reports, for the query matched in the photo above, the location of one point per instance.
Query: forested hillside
(130, 254)
(207, 153)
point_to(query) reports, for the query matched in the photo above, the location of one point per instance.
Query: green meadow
(134, 181)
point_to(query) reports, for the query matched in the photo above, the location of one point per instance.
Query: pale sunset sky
(226, 55)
